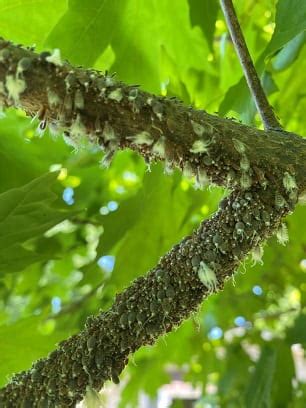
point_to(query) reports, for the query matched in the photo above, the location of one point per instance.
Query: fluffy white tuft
(55, 58)
(289, 182)
(197, 128)
(159, 147)
(15, 87)
(142, 138)
(199, 146)
(257, 254)
(282, 234)
(92, 399)
(116, 95)
(208, 277)
(238, 145)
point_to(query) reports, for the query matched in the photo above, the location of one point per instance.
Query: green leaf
(157, 213)
(133, 43)
(290, 20)
(118, 223)
(204, 14)
(235, 368)
(29, 22)
(259, 390)
(26, 213)
(23, 156)
(284, 375)
(16, 258)
(297, 333)
(22, 343)
(290, 52)
(86, 29)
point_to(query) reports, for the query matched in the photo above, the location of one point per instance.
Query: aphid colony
(71, 106)
(70, 118)
(150, 140)
(153, 304)
(14, 84)
(191, 270)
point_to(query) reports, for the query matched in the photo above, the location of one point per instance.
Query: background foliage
(71, 239)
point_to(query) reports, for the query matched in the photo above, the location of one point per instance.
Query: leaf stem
(265, 110)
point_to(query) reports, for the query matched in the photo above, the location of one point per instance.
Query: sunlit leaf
(204, 14)
(288, 23)
(297, 333)
(29, 22)
(290, 52)
(258, 393)
(129, 27)
(22, 343)
(284, 376)
(86, 29)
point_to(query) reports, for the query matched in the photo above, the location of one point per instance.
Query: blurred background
(72, 239)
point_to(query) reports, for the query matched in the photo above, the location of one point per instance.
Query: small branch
(270, 316)
(262, 104)
(70, 308)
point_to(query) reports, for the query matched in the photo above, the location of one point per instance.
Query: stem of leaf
(265, 110)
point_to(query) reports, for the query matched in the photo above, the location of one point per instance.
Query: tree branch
(266, 170)
(88, 106)
(151, 306)
(262, 104)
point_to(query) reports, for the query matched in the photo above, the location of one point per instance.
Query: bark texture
(264, 170)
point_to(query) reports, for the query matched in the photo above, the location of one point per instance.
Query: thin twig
(69, 308)
(268, 315)
(262, 104)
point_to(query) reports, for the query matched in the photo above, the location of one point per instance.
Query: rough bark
(265, 170)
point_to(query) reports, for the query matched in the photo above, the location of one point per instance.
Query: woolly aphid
(78, 99)
(15, 87)
(197, 128)
(199, 146)
(208, 277)
(116, 95)
(55, 58)
(202, 177)
(257, 254)
(108, 132)
(142, 138)
(245, 181)
(289, 182)
(244, 163)
(238, 145)
(53, 99)
(159, 147)
(282, 234)
(92, 399)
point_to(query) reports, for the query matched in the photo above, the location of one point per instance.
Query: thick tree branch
(151, 306)
(262, 104)
(266, 170)
(89, 106)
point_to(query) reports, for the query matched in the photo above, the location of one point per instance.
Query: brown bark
(265, 170)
